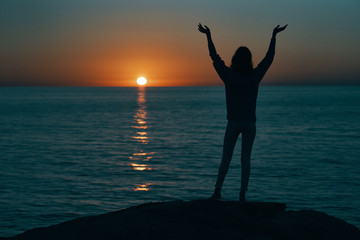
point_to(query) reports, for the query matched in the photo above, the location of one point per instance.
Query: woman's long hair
(242, 61)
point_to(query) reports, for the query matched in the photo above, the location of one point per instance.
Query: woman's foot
(216, 195)
(242, 196)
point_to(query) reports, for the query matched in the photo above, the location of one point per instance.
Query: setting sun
(141, 81)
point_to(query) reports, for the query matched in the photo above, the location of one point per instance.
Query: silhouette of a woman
(241, 87)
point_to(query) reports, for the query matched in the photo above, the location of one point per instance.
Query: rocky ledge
(200, 219)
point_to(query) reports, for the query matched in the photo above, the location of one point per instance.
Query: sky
(113, 42)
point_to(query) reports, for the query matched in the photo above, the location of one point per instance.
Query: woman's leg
(248, 136)
(231, 134)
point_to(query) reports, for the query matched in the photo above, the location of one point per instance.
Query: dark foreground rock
(200, 219)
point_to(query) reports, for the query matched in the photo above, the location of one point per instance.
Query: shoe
(242, 196)
(215, 197)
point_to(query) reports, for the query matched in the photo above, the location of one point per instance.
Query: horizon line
(185, 86)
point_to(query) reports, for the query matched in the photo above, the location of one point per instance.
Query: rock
(200, 219)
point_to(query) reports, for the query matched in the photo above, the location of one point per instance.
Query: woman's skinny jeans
(233, 130)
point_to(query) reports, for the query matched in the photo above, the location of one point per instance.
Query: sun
(141, 81)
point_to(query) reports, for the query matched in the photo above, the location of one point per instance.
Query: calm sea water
(71, 152)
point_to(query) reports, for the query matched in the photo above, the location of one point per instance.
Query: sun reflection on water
(142, 187)
(140, 119)
(139, 160)
(140, 167)
(142, 156)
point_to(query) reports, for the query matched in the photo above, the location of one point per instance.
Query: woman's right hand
(278, 29)
(205, 29)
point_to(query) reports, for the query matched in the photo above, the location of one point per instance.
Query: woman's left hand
(205, 29)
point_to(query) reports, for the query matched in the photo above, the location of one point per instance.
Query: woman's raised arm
(206, 30)
(269, 57)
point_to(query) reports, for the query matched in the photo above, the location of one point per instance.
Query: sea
(69, 152)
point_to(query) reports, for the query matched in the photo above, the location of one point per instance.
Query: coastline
(200, 219)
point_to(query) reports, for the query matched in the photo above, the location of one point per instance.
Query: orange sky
(112, 43)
